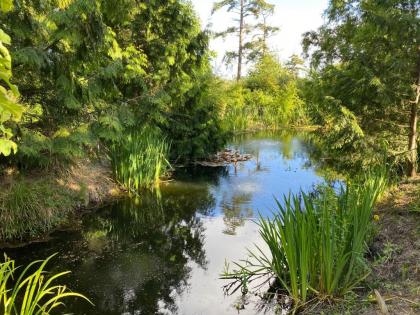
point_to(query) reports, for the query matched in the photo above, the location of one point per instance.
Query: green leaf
(7, 147)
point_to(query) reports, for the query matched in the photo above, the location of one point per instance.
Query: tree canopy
(365, 60)
(252, 38)
(89, 70)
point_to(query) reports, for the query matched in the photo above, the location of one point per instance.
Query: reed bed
(139, 160)
(316, 244)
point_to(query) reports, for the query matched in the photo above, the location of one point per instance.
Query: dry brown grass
(93, 180)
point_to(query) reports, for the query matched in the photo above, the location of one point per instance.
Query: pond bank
(395, 258)
(32, 205)
(396, 248)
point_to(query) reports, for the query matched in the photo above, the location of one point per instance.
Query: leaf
(7, 147)
(6, 5)
(4, 37)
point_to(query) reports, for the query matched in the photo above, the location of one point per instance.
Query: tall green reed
(33, 292)
(316, 244)
(140, 159)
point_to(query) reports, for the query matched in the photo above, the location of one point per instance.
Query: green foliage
(140, 159)
(266, 98)
(91, 71)
(66, 145)
(365, 58)
(33, 292)
(10, 110)
(316, 243)
(198, 129)
(29, 209)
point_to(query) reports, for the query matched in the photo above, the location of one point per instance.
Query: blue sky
(294, 17)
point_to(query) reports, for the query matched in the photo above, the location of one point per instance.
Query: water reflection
(235, 211)
(132, 257)
(162, 253)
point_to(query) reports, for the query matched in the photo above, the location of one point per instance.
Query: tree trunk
(412, 141)
(241, 35)
(265, 36)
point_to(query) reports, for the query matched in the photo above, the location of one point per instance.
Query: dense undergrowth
(267, 98)
(136, 110)
(316, 244)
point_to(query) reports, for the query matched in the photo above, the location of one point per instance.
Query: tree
(274, 92)
(90, 71)
(295, 65)
(244, 9)
(367, 59)
(263, 32)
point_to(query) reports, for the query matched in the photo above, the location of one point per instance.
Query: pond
(163, 253)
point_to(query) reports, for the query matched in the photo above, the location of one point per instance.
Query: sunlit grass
(30, 208)
(34, 292)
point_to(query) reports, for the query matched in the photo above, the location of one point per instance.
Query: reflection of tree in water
(235, 209)
(134, 256)
(201, 174)
(285, 137)
(319, 159)
(147, 246)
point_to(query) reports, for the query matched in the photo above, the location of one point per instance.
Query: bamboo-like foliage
(317, 244)
(33, 293)
(140, 159)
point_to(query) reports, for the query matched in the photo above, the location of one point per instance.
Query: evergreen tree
(264, 31)
(248, 49)
(90, 71)
(366, 60)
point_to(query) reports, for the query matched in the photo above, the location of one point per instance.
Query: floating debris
(225, 157)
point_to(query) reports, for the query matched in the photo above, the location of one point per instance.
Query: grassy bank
(394, 259)
(36, 203)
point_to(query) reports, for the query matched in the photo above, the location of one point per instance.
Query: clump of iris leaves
(315, 245)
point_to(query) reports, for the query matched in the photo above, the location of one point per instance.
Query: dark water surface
(163, 253)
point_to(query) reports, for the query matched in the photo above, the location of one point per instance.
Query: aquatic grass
(34, 292)
(316, 244)
(139, 160)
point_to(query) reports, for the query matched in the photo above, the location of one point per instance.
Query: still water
(163, 253)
